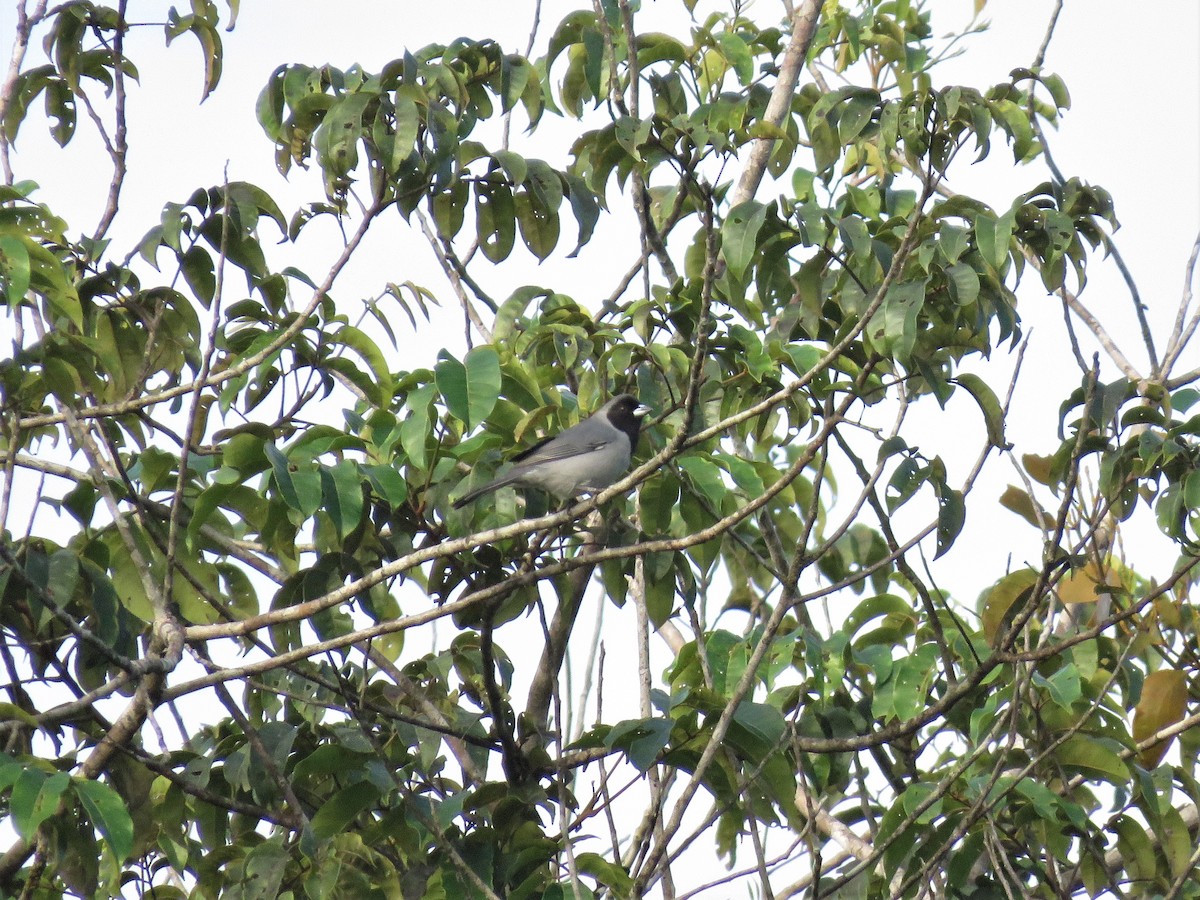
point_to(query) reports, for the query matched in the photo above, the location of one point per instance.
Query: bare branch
(26, 22)
(1181, 334)
(804, 21)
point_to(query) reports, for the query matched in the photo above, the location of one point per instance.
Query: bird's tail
(493, 485)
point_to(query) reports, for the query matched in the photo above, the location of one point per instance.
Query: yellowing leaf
(1038, 467)
(996, 601)
(1163, 703)
(1080, 586)
(1095, 754)
(1168, 612)
(1017, 500)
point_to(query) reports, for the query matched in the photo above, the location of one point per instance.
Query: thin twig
(26, 22)
(1181, 334)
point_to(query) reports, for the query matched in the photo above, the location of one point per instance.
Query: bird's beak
(642, 410)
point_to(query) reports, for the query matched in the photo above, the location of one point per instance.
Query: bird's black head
(625, 413)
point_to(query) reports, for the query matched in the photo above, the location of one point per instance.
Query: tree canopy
(251, 649)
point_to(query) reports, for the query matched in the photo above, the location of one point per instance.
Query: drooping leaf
(35, 797)
(993, 413)
(952, 514)
(496, 220)
(641, 739)
(1019, 501)
(342, 495)
(1094, 755)
(108, 813)
(1162, 704)
(739, 236)
(996, 601)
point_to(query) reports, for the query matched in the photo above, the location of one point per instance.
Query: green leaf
(270, 106)
(514, 166)
(1136, 849)
(641, 739)
(336, 813)
(856, 113)
(265, 867)
(607, 873)
(408, 127)
(1015, 121)
(14, 269)
(109, 815)
(745, 476)
(705, 476)
(337, 139)
(993, 414)
(470, 388)
(737, 54)
(1063, 685)
(1093, 753)
(35, 797)
(887, 606)
(252, 202)
(824, 144)
(450, 375)
(631, 133)
(1176, 842)
(343, 496)
(906, 694)
(62, 577)
(903, 484)
(281, 469)
(539, 223)
(414, 430)
(496, 220)
(515, 73)
(1044, 800)
(804, 357)
(963, 283)
(197, 268)
(387, 483)
(306, 484)
(360, 343)
(739, 236)
(993, 236)
(210, 44)
(893, 329)
(513, 309)
(761, 719)
(585, 207)
(657, 499)
(546, 184)
(660, 586)
(952, 513)
(1058, 90)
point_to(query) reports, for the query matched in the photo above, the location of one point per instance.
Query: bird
(587, 457)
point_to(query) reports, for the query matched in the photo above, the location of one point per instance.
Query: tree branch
(804, 27)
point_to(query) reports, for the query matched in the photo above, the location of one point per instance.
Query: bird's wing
(558, 448)
(529, 451)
